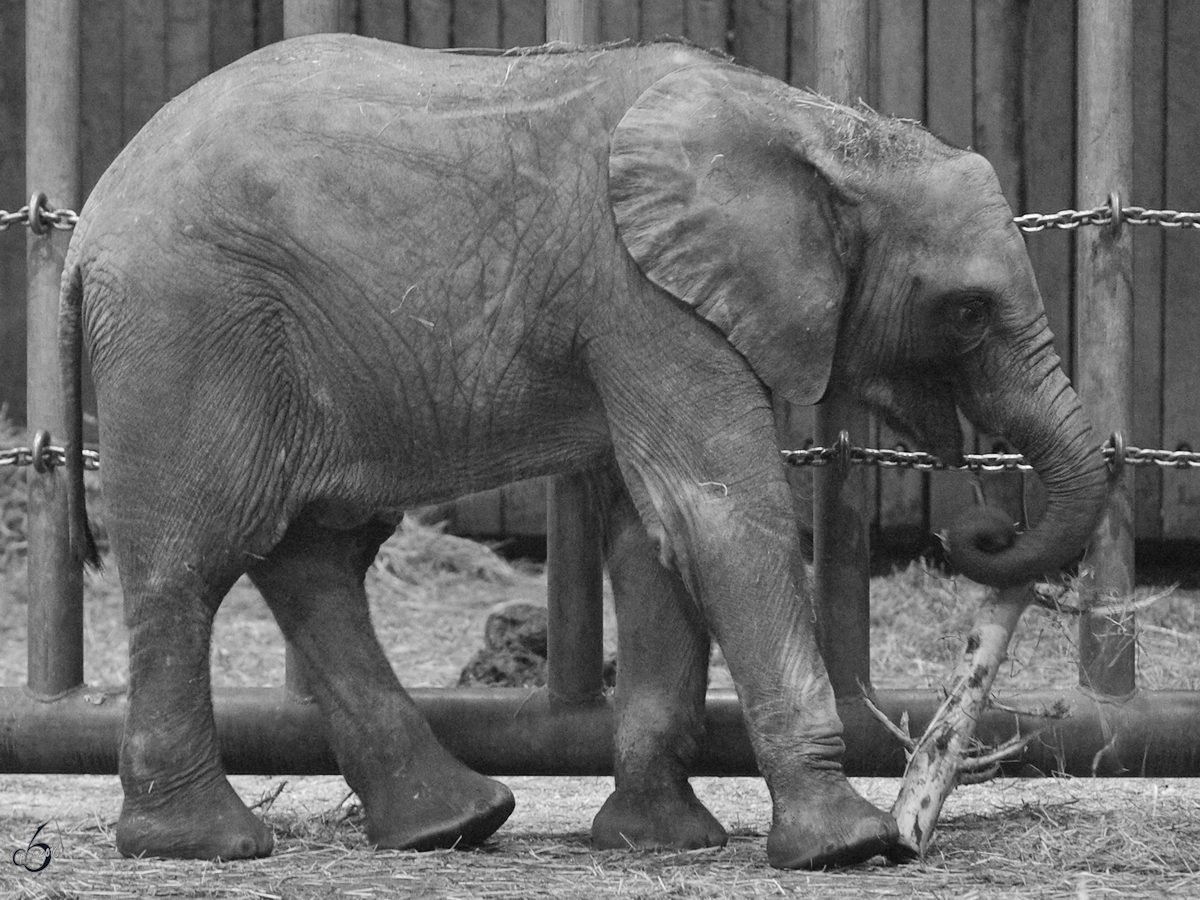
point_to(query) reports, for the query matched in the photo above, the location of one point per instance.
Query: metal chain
(1030, 223)
(62, 219)
(894, 458)
(1103, 215)
(900, 458)
(52, 457)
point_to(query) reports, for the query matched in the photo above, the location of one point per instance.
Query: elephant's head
(843, 251)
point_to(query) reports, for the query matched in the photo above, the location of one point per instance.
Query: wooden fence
(997, 75)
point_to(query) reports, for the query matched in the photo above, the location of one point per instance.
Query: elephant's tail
(70, 355)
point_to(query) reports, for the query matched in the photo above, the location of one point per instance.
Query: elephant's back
(329, 121)
(356, 94)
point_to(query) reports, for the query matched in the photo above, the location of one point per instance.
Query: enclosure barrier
(56, 724)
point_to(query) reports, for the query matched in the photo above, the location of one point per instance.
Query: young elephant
(342, 277)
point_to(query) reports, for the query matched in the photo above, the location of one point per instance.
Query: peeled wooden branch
(940, 758)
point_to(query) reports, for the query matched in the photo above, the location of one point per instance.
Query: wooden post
(1104, 354)
(573, 21)
(302, 17)
(51, 166)
(311, 17)
(575, 612)
(842, 496)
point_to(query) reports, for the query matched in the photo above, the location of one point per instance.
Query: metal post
(51, 166)
(574, 565)
(302, 17)
(1104, 277)
(842, 496)
(311, 17)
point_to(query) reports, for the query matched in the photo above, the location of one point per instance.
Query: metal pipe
(508, 731)
(55, 644)
(1104, 333)
(842, 495)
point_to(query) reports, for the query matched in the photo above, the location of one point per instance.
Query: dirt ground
(1054, 838)
(1047, 838)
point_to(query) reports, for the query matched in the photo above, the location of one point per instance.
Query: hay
(1060, 838)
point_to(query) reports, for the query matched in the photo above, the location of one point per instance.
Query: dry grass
(1051, 838)
(1057, 838)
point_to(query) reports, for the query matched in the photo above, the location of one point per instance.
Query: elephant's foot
(645, 820)
(829, 826)
(213, 824)
(436, 803)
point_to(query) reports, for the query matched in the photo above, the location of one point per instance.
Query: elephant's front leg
(741, 558)
(701, 463)
(743, 561)
(662, 669)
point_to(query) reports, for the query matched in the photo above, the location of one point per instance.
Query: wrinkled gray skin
(341, 277)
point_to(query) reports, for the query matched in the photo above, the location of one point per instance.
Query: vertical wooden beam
(311, 17)
(950, 114)
(233, 27)
(903, 494)
(842, 523)
(55, 642)
(384, 19)
(574, 564)
(619, 20)
(707, 23)
(1149, 103)
(573, 21)
(1181, 312)
(761, 37)
(12, 184)
(476, 23)
(188, 40)
(523, 23)
(1104, 359)
(144, 64)
(999, 42)
(662, 17)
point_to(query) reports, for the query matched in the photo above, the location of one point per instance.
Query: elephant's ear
(720, 198)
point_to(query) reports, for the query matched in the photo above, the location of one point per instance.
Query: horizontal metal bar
(499, 731)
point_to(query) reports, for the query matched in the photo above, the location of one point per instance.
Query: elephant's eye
(970, 317)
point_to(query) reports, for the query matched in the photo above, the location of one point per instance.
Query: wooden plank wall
(997, 75)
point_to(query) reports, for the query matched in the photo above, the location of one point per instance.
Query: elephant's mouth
(924, 413)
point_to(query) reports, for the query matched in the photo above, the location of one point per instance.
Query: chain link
(62, 219)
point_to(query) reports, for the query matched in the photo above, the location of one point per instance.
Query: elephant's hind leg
(415, 794)
(662, 673)
(178, 802)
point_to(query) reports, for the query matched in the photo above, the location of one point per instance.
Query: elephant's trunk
(1042, 417)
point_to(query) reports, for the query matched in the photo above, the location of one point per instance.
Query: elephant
(341, 278)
